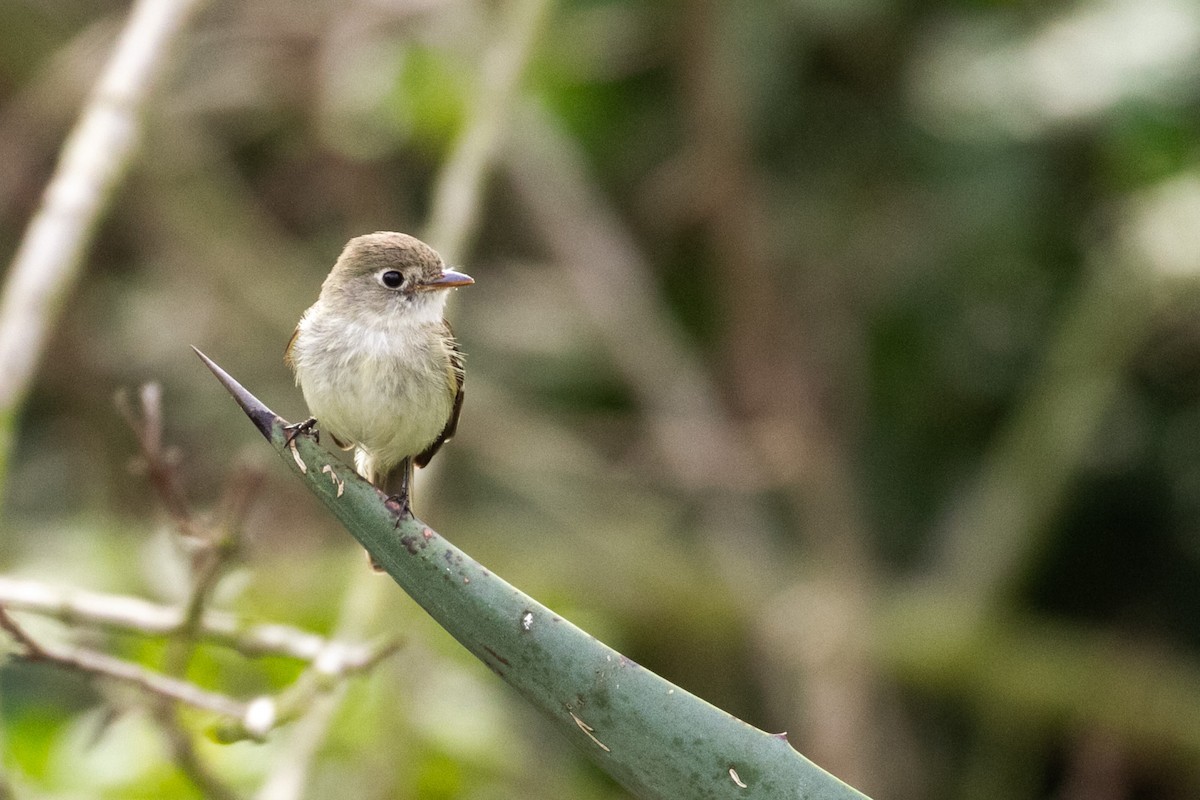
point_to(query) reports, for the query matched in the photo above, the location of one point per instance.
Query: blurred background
(838, 361)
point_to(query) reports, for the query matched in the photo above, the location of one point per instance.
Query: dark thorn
(263, 418)
(298, 428)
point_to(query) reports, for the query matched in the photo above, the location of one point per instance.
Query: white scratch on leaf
(338, 482)
(583, 726)
(296, 455)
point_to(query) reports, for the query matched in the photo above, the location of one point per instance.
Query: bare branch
(323, 678)
(95, 664)
(146, 424)
(183, 752)
(240, 720)
(119, 612)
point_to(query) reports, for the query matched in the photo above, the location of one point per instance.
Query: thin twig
(33, 650)
(322, 679)
(209, 557)
(361, 607)
(212, 548)
(183, 752)
(209, 563)
(120, 612)
(95, 664)
(241, 720)
(289, 777)
(214, 545)
(167, 689)
(146, 424)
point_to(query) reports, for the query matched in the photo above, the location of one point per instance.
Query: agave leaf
(655, 739)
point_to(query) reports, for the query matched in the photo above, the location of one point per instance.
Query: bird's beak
(447, 280)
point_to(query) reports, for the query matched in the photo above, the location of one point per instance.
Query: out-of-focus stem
(93, 162)
(459, 190)
(681, 405)
(999, 526)
(121, 613)
(1002, 523)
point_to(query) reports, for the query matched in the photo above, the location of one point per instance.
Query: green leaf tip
(657, 740)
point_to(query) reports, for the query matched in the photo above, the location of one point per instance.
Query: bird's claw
(401, 505)
(307, 427)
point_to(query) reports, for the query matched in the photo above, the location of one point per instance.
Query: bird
(377, 362)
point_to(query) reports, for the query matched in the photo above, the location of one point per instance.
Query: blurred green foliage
(868, 227)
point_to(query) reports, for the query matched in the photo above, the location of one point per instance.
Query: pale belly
(386, 397)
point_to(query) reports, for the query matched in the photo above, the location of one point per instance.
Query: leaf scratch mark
(296, 455)
(587, 729)
(338, 482)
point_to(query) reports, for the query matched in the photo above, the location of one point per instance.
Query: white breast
(385, 389)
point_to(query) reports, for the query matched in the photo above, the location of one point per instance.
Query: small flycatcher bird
(377, 361)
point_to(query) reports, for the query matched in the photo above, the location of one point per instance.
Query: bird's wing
(455, 368)
(287, 351)
(290, 360)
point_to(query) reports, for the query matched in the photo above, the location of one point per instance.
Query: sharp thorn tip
(263, 418)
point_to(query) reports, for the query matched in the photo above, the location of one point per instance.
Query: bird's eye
(391, 279)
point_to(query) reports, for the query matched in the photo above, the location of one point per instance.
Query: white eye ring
(390, 278)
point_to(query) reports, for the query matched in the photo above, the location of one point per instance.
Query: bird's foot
(401, 505)
(308, 428)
